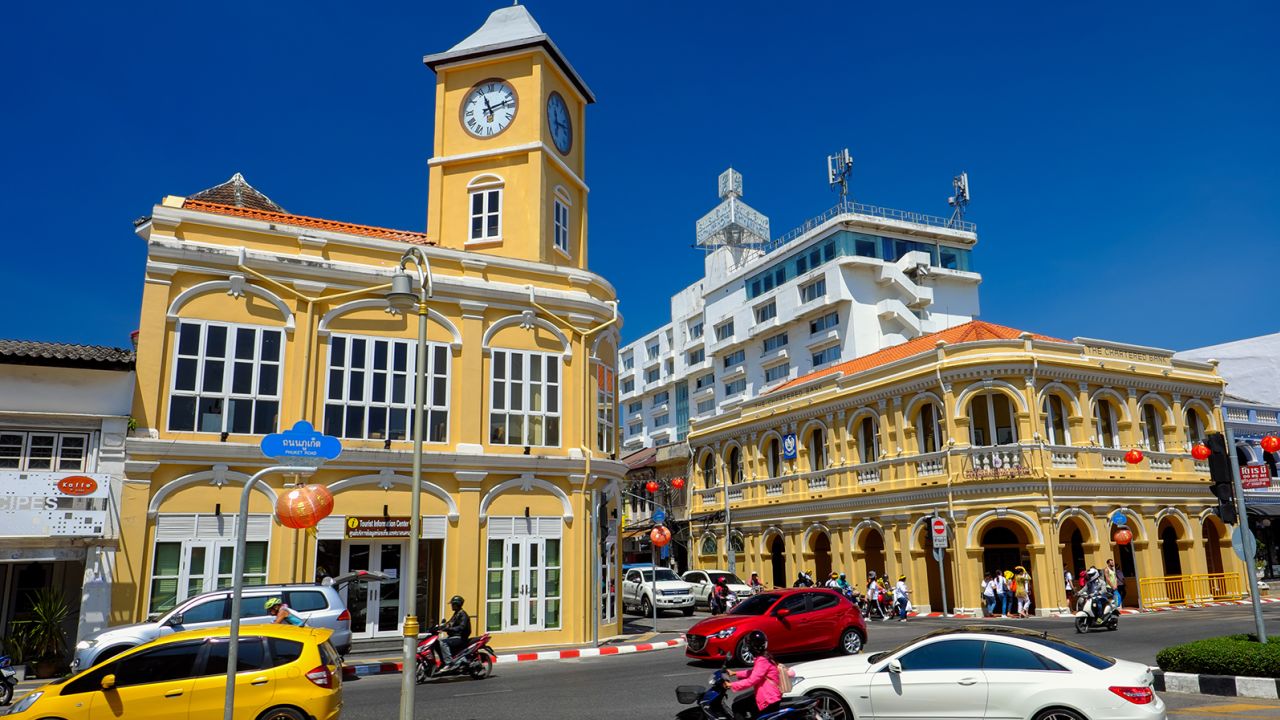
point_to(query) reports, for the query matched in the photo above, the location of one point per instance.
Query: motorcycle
(1097, 612)
(476, 659)
(8, 680)
(718, 606)
(712, 702)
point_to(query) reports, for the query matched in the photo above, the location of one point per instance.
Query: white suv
(673, 593)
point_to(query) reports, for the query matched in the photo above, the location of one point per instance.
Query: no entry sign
(938, 529)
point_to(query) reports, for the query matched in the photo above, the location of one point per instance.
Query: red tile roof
(968, 332)
(382, 233)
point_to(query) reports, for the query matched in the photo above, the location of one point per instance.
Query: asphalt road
(642, 686)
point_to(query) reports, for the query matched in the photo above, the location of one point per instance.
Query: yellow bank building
(1015, 440)
(254, 318)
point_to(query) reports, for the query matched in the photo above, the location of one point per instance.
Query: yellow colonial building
(1015, 440)
(254, 318)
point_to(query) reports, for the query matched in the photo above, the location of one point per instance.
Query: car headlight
(25, 703)
(86, 644)
(725, 632)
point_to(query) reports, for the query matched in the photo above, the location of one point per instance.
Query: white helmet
(1091, 573)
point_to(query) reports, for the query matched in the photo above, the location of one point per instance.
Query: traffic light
(1222, 484)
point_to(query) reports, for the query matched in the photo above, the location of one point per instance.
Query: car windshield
(663, 575)
(755, 605)
(729, 578)
(1074, 651)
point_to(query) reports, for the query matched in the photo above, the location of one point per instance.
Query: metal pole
(237, 581)
(408, 675)
(653, 583)
(1242, 521)
(732, 566)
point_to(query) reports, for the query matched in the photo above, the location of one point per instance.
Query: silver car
(317, 605)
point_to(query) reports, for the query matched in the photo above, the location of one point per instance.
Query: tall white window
(992, 420)
(929, 428)
(606, 423)
(43, 451)
(1195, 426)
(1152, 427)
(816, 446)
(371, 389)
(1055, 421)
(226, 378)
(195, 554)
(868, 435)
(486, 209)
(525, 399)
(1105, 424)
(773, 457)
(561, 226)
(522, 574)
(709, 471)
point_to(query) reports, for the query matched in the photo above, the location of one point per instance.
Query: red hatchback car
(795, 620)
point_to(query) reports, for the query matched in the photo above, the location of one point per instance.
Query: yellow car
(285, 673)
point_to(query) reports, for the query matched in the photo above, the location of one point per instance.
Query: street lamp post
(403, 298)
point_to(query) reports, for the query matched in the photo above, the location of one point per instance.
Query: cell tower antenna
(959, 201)
(839, 168)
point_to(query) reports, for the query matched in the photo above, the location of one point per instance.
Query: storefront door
(524, 584)
(375, 607)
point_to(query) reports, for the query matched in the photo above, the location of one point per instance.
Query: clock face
(489, 108)
(559, 122)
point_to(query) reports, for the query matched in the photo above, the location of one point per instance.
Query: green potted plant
(42, 637)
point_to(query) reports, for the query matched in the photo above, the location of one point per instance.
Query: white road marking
(488, 692)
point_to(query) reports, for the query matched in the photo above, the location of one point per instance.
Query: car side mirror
(175, 620)
(108, 682)
(782, 612)
(895, 667)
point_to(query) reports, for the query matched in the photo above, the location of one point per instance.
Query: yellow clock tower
(507, 172)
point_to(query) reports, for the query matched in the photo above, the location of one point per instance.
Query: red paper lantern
(1271, 443)
(660, 536)
(651, 486)
(302, 507)
(1133, 457)
(678, 483)
(1123, 536)
(1200, 451)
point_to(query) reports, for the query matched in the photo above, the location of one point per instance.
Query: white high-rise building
(854, 280)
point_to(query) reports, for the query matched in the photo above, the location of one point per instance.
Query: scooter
(1097, 612)
(719, 607)
(8, 680)
(476, 659)
(712, 702)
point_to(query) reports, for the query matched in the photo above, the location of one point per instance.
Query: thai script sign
(301, 444)
(377, 527)
(1253, 477)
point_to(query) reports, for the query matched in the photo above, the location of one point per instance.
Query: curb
(386, 667)
(1189, 606)
(1225, 685)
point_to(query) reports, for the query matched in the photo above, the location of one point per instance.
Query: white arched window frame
(1055, 420)
(709, 545)
(816, 446)
(733, 464)
(484, 201)
(1105, 424)
(1195, 426)
(868, 440)
(1152, 427)
(709, 470)
(929, 428)
(560, 229)
(992, 420)
(773, 457)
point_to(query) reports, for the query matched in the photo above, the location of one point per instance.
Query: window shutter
(175, 528)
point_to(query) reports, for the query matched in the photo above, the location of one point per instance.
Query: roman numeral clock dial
(489, 108)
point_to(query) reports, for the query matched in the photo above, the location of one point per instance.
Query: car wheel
(646, 607)
(830, 706)
(1059, 714)
(688, 611)
(283, 713)
(850, 642)
(743, 654)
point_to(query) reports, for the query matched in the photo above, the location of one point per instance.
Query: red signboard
(939, 527)
(77, 485)
(1255, 476)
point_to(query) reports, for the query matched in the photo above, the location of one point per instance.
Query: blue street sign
(659, 516)
(789, 446)
(301, 444)
(1118, 518)
(666, 552)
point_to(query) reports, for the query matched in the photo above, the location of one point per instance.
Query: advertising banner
(57, 504)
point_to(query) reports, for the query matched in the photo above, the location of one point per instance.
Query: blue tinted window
(800, 266)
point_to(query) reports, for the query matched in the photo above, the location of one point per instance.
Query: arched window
(736, 543)
(991, 420)
(1055, 420)
(929, 428)
(1152, 427)
(709, 470)
(709, 545)
(817, 450)
(485, 203)
(1105, 424)
(735, 465)
(868, 435)
(1195, 426)
(773, 457)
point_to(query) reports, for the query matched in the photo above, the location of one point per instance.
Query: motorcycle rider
(458, 629)
(803, 580)
(833, 582)
(763, 678)
(720, 596)
(276, 608)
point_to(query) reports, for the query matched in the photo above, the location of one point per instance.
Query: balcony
(735, 372)
(823, 338)
(775, 357)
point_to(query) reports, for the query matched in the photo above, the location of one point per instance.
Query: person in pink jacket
(762, 677)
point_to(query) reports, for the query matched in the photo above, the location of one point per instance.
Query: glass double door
(523, 582)
(376, 610)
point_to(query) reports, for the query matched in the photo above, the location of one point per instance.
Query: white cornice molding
(529, 147)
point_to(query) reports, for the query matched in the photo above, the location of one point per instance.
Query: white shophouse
(64, 414)
(854, 280)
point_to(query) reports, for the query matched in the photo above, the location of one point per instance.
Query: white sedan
(980, 672)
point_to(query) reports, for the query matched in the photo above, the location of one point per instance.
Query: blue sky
(1124, 158)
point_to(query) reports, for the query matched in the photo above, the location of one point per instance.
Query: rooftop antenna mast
(959, 201)
(839, 168)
